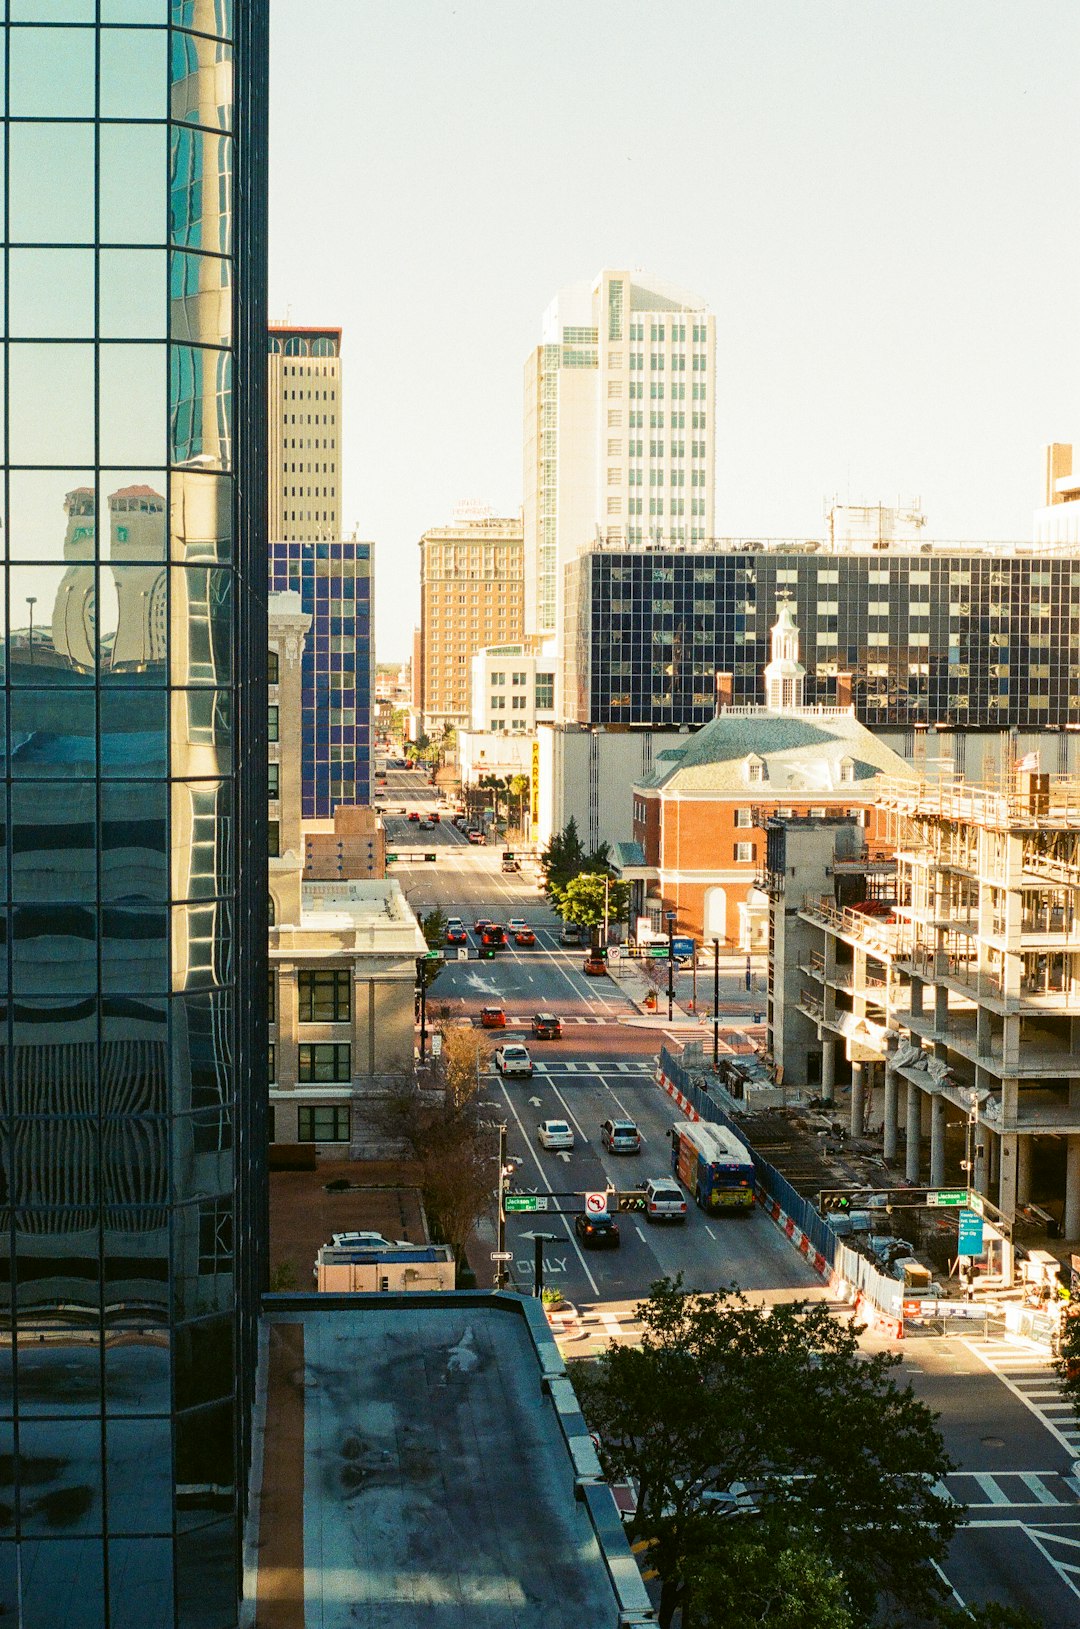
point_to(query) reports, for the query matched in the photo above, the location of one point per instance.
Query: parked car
(546, 1027)
(597, 1232)
(620, 1137)
(555, 1134)
(664, 1201)
(569, 934)
(513, 1059)
(594, 964)
(455, 932)
(524, 936)
(492, 1018)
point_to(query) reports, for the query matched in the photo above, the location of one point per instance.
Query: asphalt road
(1000, 1414)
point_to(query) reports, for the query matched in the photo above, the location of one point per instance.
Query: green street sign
(391, 859)
(433, 956)
(525, 1201)
(947, 1196)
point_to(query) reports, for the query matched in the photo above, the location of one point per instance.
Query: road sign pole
(538, 1265)
(500, 1266)
(716, 1005)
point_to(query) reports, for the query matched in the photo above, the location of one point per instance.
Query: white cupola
(785, 675)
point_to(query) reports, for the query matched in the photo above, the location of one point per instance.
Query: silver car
(664, 1201)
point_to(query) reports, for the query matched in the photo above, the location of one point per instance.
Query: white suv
(513, 1059)
(664, 1201)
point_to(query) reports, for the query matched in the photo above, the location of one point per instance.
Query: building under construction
(987, 938)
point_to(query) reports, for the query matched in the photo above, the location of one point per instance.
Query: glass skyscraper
(133, 832)
(334, 584)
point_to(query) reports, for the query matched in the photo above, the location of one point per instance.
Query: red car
(595, 965)
(492, 1018)
(481, 923)
(524, 936)
(413, 815)
(435, 817)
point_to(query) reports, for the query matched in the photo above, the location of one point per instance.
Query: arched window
(275, 347)
(322, 347)
(295, 346)
(273, 911)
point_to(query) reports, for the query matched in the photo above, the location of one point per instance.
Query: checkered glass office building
(132, 868)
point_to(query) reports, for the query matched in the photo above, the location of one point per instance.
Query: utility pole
(500, 1265)
(715, 1005)
(607, 888)
(421, 973)
(670, 918)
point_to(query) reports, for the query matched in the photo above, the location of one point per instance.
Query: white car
(664, 1201)
(516, 925)
(513, 1059)
(555, 1134)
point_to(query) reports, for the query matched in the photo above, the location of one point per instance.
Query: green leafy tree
(744, 1579)
(518, 789)
(782, 1401)
(583, 901)
(1067, 1358)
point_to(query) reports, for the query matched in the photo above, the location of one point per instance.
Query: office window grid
(132, 945)
(324, 995)
(957, 637)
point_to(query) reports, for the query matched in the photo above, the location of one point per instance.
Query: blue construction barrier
(772, 1185)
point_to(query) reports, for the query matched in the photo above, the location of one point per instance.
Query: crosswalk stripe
(994, 1494)
(1038, 1487)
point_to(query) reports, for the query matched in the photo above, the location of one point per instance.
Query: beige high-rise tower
(471, 595)
(619, 428)
(305, 433)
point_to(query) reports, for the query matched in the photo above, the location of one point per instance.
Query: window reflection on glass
(207, 16)
(202, 859)
(51, 622)
(52, 733)
(140, 1580)
(134, 954)
(133, 294)
(133, 733)
(51, 189)
(202, 732)
(134, 837)
(51, 73)
(52, 515)
(132, 201)
(132, 623)
(51, 404)
(140, 1482)
(201, 75)
(200, 299)
(133, 73)
(51, 294)
(201, 190)
(132, 397)
(200, 615)
(53, 842)
(200, 407)
(134, 11)
(61, 1461)
(51, 11)
(200, 519)
(53, 952)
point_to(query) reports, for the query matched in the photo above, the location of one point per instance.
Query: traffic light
(632, 1201)
(487, 953)
(834, 1201)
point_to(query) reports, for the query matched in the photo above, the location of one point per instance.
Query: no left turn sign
(595, 1204)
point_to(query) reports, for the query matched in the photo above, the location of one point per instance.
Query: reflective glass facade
(132, 866)
(334, 584)
(970, 638)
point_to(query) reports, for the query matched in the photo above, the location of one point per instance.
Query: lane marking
(547, 1184)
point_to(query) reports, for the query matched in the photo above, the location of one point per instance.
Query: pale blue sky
(878, 200)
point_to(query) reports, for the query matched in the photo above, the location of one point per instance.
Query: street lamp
(669, 918)
(715, 1005)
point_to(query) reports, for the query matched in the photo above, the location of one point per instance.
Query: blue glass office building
(132, 835)
(334, 584)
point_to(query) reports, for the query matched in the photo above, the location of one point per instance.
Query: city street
(1003, 1423)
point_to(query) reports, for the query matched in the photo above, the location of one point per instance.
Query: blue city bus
(713, 1164)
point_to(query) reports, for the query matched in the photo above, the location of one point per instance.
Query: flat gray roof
(417, 1459)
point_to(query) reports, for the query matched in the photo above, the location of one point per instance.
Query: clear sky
(878, 200)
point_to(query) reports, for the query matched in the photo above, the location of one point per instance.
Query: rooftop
(613, 541)
(374, 912)
(802, 751)
(423, 1462)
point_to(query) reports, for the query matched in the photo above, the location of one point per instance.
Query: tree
(519, 789)
(563, 859)
(444, 1132)
(790, 1587)
(496, 785)
(583, 900)
(831, 1452)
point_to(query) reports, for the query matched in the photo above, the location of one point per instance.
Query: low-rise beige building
(353, 844)
(342, 977)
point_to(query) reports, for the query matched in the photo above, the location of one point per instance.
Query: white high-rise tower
(619, 427)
